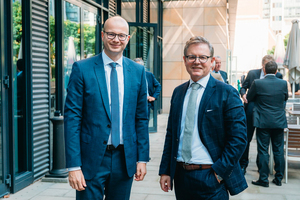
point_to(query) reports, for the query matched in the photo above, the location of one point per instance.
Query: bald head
(116, 21)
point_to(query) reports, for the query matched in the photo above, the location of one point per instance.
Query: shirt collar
(203, 81)
(107, 60)
(269, 75)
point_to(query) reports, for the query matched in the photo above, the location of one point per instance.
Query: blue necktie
(115, 107)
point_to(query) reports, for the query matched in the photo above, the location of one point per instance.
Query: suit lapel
(100, 74)
(127, 86)
(209, 90)
(180, 100)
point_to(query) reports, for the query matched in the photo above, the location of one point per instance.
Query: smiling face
(196, 69)
(114, 47)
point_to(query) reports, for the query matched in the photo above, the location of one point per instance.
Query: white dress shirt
(200, 154)
(262, 74)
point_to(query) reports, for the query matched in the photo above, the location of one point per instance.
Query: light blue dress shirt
(200, 154)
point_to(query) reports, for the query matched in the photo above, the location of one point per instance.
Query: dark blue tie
(115, 108)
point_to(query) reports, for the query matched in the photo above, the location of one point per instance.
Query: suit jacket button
(105, 142)
(108, 125)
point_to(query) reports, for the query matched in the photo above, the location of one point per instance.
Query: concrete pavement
(149, 189)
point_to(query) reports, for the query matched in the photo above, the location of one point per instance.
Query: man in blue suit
(249, 105)
(154, 87)
(106, 124)
(206, 132)
(269, 95)
(218, 69)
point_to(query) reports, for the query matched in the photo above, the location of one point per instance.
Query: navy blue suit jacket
(270, 95)
(222, 129)
(87, 119)
(224, 76)
(154, 87)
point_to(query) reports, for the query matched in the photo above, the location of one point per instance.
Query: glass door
(143, 44)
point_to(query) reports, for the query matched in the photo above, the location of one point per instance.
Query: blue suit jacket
(154, 87)
(224, 76)
(222, 129)
(87, 119)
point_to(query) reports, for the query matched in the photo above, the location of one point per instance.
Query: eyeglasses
(112, 36)
(202, 59)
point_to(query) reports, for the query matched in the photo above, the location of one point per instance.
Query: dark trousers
(244, 160)
(263, 141)
(198, 184)
(111, 180)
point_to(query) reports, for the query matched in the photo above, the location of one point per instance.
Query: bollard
(59, 163)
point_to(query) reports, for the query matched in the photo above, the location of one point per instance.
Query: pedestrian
(105, 121)
(206, 132)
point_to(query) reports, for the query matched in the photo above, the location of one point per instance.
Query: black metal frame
(4, 188)
(22, 180)
(155, 60)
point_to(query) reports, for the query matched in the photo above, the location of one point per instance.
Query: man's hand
(244, 98)
(141, 171)
(165, 183)
(150, 99)
(76, 180)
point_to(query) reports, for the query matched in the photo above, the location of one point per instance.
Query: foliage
(271, 52)
(17, 28)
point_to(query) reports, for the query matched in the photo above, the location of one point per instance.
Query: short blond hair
(268, 58)
(198, 40)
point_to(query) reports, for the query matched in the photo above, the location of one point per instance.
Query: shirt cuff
(142, 162)
(74, 169)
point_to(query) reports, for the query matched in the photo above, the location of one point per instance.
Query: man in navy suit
(218, 69)
(154, 87)
(269, 95)
(206, 132)
(106, 123)
(252, 75)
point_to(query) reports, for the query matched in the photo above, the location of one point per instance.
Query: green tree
(286, 39)
(17, 28)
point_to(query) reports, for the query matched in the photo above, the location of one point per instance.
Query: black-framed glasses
(202, 59)
(111, 36)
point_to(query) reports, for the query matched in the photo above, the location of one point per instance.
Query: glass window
(153, 11)
(52, 56)
(19, 99)
(129, 10)
(72, 41)
(89, 32)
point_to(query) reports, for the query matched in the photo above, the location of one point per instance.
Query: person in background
(218, 69)
(215, 75)
(105, 120)
(153, 85)
(204, 141)
(248, 105)
(269, 95)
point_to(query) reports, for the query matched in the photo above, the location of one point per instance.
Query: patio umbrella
(292, 55)
(279, 53)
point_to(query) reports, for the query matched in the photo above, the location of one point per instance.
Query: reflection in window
(52, 55)
(71, 39)
(89, 32)
(19, 90)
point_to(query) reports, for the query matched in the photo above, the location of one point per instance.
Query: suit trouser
(244, 160)
(263, 141)
(111, 179)
(198, 184)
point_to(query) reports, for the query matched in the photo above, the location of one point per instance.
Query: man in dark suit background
(153, 85)
(218, 70)
(105, 121)
(252, 75)
(270, 95)
(206, 132)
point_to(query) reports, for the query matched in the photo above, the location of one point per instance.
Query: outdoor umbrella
(279, 53)
(292, 55)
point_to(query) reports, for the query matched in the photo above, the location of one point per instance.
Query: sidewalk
(149, 189)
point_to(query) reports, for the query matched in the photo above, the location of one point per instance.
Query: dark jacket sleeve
(252, 92)
(157, 87)
(246, 84)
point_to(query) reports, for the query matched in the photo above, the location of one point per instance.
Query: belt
(190, 167)
(111, 147)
